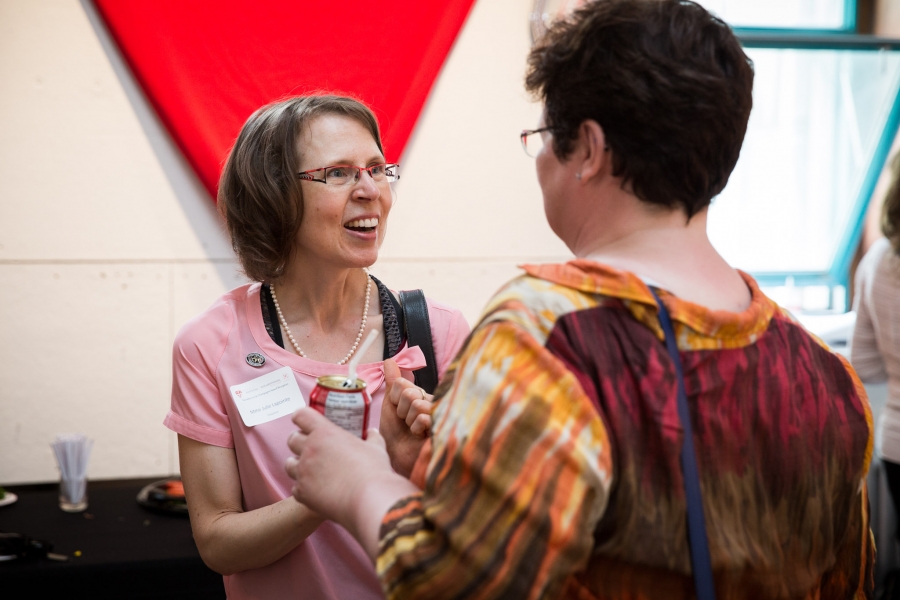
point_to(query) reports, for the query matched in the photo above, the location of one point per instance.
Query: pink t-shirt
(210, 356)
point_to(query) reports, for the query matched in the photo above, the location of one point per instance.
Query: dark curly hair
(668, 83)
(259, 193)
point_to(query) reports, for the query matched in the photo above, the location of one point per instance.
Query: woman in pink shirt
(306, 196)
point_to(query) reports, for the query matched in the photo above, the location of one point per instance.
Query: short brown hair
(259, 194)
(890, 210)
(668, 83)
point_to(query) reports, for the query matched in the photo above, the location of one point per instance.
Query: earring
(578, 176)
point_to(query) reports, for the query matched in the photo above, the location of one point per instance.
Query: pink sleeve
(197, 409)
(449, 331)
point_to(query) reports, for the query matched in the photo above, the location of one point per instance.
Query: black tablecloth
(124, 550)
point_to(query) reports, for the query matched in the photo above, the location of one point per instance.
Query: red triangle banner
(206, 66)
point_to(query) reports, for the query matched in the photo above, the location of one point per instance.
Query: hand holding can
(343, 398)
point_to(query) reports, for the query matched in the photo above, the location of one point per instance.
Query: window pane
(786, 14)
(817, 118)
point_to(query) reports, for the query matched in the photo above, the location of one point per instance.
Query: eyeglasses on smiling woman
(348, 174)
(532, 140)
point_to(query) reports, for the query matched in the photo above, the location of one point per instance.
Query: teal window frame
(848, 26)
(839, 272)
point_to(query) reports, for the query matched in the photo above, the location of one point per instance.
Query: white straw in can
(354, 362)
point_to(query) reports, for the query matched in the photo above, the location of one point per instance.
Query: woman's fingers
(421, 425)
(308, 420)
(391, 372)
(328, 461)
(407, 397)
(416, 408)
(413, 404)
(290, 466)
(394, 382)
(418, 418)
(295, 441)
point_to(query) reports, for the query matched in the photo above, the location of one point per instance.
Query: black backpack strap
(418, 333)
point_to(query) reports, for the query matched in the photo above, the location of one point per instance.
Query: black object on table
(126, 551)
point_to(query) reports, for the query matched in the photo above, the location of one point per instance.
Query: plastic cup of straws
(73, 494)
(72, 453)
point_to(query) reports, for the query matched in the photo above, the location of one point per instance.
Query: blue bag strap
(701, 564)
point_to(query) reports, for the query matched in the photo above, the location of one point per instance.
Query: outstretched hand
(332, 465)
(342, 477)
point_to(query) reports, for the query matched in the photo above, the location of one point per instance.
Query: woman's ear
(594, 155)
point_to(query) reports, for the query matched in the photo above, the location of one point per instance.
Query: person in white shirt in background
(875, 349)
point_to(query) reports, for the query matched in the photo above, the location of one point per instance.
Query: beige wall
(108, 244)
(887, 18)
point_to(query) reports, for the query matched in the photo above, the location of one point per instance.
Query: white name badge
(266, 398)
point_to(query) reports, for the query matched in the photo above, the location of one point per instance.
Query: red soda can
(344, 404)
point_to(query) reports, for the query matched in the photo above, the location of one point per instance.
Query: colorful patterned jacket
(553, 470)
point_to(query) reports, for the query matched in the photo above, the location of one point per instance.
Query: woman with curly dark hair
(605, 409)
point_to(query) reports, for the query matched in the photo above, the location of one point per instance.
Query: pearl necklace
(362, 326)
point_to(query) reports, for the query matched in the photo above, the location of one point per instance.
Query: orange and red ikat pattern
(553, 470)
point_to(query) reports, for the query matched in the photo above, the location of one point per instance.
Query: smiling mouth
(362, 225)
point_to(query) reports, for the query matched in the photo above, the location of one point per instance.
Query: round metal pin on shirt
(255, 359)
